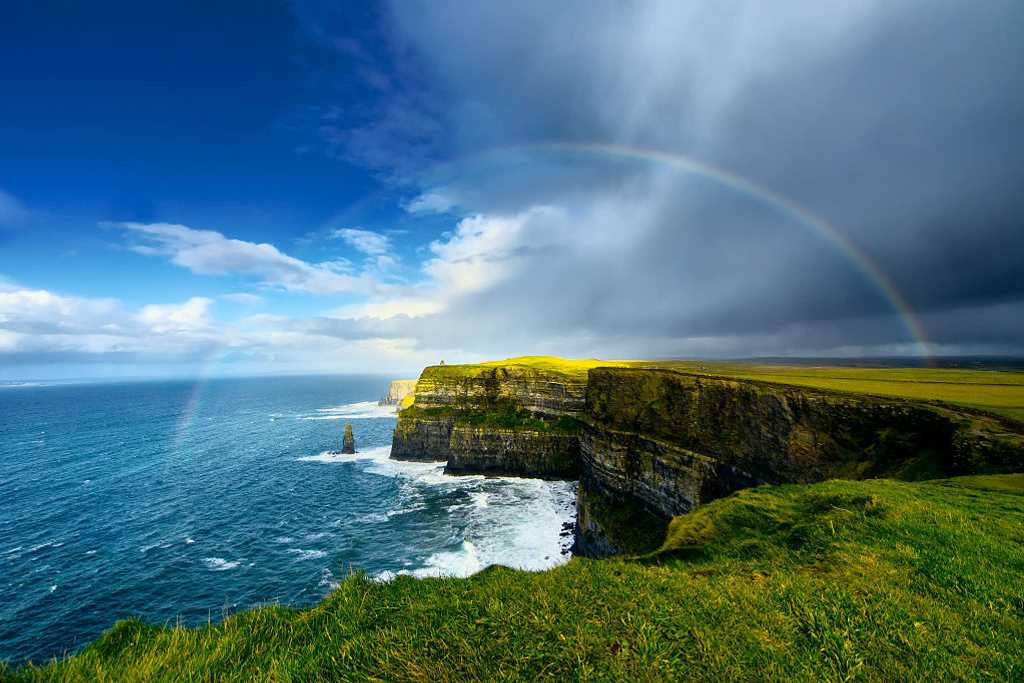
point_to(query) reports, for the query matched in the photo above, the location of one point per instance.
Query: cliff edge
(650, 443)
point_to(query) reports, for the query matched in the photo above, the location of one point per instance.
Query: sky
(232, 188)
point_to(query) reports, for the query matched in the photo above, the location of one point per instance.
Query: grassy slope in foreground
(869, 580)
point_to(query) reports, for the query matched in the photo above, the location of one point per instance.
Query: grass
(1001, 392)
(572, 368)
(845, 580)
(504, 416)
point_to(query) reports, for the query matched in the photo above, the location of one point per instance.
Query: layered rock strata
(497, 420)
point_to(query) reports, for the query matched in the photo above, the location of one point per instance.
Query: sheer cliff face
(650, 444)
(673, 441)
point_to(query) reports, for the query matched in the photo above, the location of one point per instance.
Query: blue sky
(262, 187)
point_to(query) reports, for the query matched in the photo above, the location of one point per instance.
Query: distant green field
(997, 391)
(845, 580)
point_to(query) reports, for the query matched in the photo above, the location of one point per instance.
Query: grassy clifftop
(843, 580)
(1000, 392)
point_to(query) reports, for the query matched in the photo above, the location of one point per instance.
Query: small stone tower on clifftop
(348, 442)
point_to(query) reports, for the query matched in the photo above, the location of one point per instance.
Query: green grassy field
(1000, 392)
(868, 580)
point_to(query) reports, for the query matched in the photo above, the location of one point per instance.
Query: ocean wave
(308, 554)
(369, 455)
(160, 545)
(352, 411)
(374, 517)
(511, 521)
(219, 564)
(327, 579)
(458, 563)
(395, 512)
(518, 524)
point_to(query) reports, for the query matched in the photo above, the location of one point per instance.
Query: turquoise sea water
(190, 500)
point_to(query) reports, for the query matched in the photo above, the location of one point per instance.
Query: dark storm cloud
(898, 122)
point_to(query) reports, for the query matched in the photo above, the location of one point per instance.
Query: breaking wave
(352, 411)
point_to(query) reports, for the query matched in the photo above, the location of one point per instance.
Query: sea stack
(348, 442)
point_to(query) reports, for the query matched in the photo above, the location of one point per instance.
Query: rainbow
(860, 260)
(193, 403)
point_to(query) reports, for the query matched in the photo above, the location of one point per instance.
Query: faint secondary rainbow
(805, 217)
(193, 403)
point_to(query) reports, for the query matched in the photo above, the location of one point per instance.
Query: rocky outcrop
(648, 444)
(348, 441)
(397, 390)
(498, 420)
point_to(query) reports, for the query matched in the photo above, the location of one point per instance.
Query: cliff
(660, 443)
(648, 444)
(510, 419)
(397, 390)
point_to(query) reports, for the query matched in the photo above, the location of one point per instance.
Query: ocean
(185, 501)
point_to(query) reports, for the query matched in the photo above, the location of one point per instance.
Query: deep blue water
(185, 500)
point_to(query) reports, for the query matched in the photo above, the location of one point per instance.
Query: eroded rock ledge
(649, 444)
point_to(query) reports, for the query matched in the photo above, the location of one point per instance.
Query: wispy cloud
(243, 298)
(368, 242)
(208, 252)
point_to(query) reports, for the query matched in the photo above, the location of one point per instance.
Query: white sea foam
(352, 411)
(219, 564)
(374, 517)
(372, 455)
(188, 541)
(512, 521)
(462, 562)
(404, 510)
(46, 544)
(160, 545)
(308, 554)
(327, 579)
